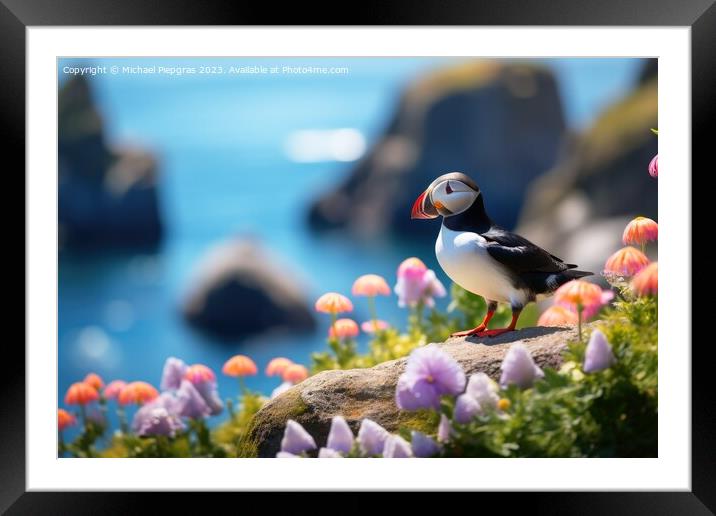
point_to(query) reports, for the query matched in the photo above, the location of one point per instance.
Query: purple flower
(154, 419)
(281, 389)
(417, 283)
(396, 447)
(295, 439)
(371, 437)
(444, 429)
(654, 166)
(423, 446)
(466, 408)
(207, 390)
(190, 403)
(483, 389)
(173, 373)
(286, 455)
(598, 355)
(329, 453)
(518, 368)
(429, 374)
(340, 437)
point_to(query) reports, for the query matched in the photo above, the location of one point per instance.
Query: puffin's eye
(448, 190)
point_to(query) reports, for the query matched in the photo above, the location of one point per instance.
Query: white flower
(483, 389)
(396, 448)
(519, 368)
(598, 355)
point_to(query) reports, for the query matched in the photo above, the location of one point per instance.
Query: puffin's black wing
(519, 254)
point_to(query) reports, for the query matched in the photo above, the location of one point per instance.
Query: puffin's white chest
(463, 257)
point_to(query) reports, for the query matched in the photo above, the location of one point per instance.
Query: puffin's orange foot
(494, 333)
(468, 333)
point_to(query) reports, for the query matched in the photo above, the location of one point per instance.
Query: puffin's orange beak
(423, 208)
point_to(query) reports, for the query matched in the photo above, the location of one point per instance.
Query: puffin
(484, 258)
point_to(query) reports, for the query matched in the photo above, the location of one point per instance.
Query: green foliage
(568, 413)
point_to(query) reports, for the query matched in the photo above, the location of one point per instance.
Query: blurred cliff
(580, 207)
(501, 123)
(107, 196)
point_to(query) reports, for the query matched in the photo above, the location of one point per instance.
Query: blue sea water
(224, 171)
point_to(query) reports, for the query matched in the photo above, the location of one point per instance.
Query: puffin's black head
(448, 195)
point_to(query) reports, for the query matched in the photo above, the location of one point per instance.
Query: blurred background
(201, 215)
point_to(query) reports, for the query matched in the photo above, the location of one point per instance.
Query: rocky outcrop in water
(579, 209)
(500, 123)
(359, 393)
(107, 196)
(240, 289)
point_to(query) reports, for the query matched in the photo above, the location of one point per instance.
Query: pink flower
(137, 392)
(333, 303)
(370, 285)
(295, 373)
(114, 388)
(94, 380)
(646, 282)
(199, 373)
(343, 329)
(277, 366)
(81, 393)
(640, 231)
(65, 419)
(557, 316)
(582, 296)
(368, 326)
(239, 365)
(654, 166)
(626, 262)
(416, 283)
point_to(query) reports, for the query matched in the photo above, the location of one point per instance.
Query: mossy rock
(356, 394)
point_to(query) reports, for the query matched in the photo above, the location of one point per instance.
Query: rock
(500, 123)
(107, 195)
(579, 209)
(240, 289)
(359, 393)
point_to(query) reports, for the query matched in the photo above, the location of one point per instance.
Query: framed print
(252, 242)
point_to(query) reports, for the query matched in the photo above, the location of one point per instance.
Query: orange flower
(94, 380)
(646, 282)
(137, 392)
(114, 388)
(199, 373)
(343, 328)
(295, 373)
(627, 261)
(277, 366)
(640, 231)
(370, 285)
(65, 419)
(81, 393)
(239, 365)
(582, 297)
(557, 316)
(333, 303)
(411, 263)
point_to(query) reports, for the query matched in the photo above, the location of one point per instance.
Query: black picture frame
(700, 15)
